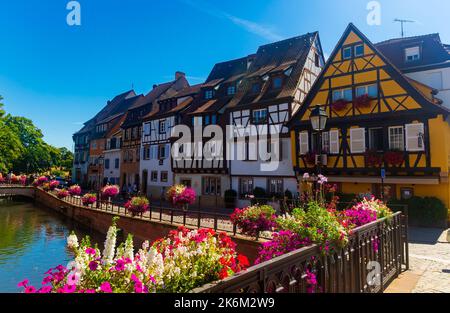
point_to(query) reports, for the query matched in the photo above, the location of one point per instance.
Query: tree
(23, 149)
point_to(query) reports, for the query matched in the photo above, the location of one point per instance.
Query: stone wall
(141, 229)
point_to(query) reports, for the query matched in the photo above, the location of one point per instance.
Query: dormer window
(359, 50)
(347, 53)
(209, 94)
(231, 90)
(277, 82)
(288, 72)
(412, 54)
(256, 88)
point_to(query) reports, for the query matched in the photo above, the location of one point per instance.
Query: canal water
(33, 240)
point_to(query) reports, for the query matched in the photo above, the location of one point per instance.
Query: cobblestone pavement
(429, 254)
(429, 260)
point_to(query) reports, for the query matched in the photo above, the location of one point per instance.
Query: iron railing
(376, 252)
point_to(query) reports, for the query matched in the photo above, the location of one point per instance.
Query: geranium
(110, 191)
(75, 190)
(62, 193)
(2, 179)
(363, 101)
(181, 195)
(394, 158)
(15, 179)
(340, 105)
(137, 205)
(40, 181)
(317, 224)
(178, 263)
(53, 184)
(282, 242)
(23, 180)
(366, 211)
(89, 198)
(254, 219)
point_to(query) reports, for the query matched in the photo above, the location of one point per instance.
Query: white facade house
(112, 155)
(274, 88)
(438, 79)
(424, 59)
(155, 164)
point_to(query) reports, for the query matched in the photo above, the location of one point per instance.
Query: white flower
(128, 251)
(306, 176)
(110, 245)
(72, 241)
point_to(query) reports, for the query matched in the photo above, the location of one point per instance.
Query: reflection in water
(32, 240)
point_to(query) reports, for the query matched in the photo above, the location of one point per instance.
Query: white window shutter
(303, 138)
(357, 140)
(147, 129)
(334, 142)
(414, 137)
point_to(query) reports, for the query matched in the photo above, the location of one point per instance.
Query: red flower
(243, 261)
(223, 273)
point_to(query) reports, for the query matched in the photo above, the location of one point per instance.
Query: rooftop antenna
(402, 22)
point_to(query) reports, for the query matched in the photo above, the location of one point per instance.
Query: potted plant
(137, 205)
(75, 190)
(62, 193)
(89, 198)
(181, 196)
(230, 199)
(254, 219)
(110, 191)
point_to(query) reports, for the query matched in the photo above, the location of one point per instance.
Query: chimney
(179, 75)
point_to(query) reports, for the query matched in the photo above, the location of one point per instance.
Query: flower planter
(340, 105)
(394, 158)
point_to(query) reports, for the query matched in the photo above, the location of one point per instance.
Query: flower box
(363, 101)
(394, 158)
(373, 159)
(340, 105)
(89, 199)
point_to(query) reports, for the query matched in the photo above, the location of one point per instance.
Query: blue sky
(60, 75)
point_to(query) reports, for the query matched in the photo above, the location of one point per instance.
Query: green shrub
(230, 198)
(260, 196)
(426, 212)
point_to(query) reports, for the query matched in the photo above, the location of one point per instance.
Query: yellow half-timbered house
(377, 119)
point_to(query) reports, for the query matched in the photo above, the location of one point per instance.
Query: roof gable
(397, 93)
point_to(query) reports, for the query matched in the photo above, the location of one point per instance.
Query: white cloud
(249, 26)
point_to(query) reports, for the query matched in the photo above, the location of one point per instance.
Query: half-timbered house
(155, 165)
(132, 128)
(208, 173)
(377, 119)
(82, 138)
(272, 90)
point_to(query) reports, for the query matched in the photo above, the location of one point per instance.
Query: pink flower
(106, 287)
(45, 289)
(120, 265)
(89, 291)
(23, 283)
(73, 279)
(30, 289)
(90, 251)
(93, 265)
(69, 288)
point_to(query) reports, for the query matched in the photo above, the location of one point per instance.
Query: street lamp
(100, 168)
(319, 119)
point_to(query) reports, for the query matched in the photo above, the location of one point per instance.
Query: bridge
(7, 191)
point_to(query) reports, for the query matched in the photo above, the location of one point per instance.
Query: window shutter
(303, 142)
(414, 137)
(357, 140)
(167, 151)
(334, 142)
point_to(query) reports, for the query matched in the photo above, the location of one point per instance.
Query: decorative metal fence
(376, 254)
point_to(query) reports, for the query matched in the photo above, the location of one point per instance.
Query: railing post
(199, 219)
(184, 217)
